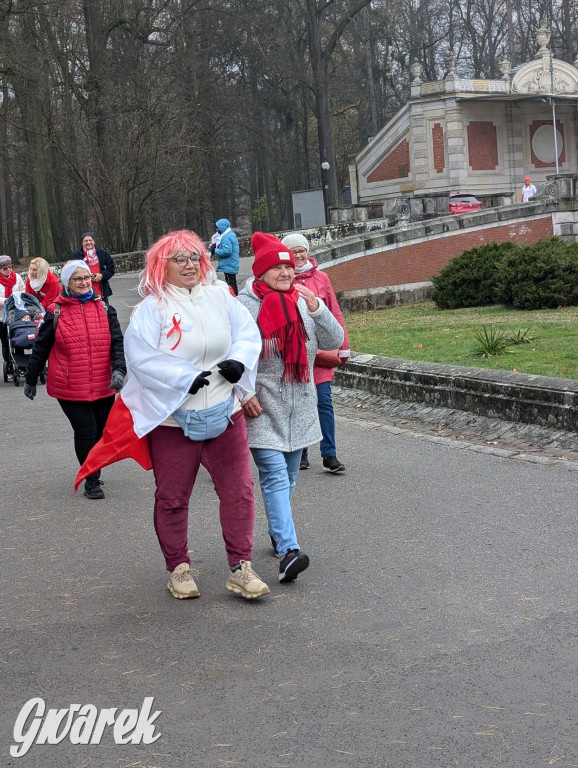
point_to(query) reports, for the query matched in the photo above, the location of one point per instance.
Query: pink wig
(153, 279)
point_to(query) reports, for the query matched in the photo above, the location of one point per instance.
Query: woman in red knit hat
(282, 411)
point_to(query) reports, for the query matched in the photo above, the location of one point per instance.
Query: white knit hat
(296, 240)
(69, 268)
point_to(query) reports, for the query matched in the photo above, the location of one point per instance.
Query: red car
(464, 203)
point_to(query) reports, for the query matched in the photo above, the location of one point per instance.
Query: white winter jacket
(205, 326)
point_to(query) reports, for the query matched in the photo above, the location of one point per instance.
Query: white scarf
(36, 283)
(218, 236)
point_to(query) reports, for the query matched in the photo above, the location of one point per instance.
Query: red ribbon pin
(176, 327)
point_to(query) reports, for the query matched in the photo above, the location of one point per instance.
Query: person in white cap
(307, 273)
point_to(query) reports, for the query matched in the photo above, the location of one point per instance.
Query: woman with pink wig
(189, 346)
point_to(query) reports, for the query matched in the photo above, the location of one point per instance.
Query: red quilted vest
(79, 365)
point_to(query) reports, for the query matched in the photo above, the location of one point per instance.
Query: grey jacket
(289, 420)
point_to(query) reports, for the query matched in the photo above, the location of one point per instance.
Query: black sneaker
(92, 489)
(304, 459)
(292, 564)
(333, 464)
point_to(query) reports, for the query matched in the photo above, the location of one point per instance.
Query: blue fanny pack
(208, 423)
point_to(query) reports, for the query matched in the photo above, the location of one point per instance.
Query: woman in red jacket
(41, 282)
(307, 273)
(81, 339)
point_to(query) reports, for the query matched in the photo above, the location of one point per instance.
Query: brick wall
(394, 166)
(439, 158)
(417, 261)
(482, 145)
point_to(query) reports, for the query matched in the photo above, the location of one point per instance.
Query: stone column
(457, 145)
(420, 146)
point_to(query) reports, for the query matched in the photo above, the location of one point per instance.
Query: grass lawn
(424, 332)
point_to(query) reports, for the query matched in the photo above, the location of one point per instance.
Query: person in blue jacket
(225, 245)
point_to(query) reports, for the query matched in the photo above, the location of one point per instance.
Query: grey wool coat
(289, 420)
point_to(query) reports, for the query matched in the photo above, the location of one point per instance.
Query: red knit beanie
(269, 251)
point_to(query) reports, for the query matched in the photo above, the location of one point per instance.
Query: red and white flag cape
(158, 382)
(119, 441)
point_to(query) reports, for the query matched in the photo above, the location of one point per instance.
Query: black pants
(232, 281)
(87, 420)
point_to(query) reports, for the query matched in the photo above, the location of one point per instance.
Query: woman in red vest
(82, 341)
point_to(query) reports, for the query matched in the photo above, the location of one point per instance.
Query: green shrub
(543, 275)
(469, 279)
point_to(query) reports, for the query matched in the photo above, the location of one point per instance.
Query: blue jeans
(278, 471)
(326, 419)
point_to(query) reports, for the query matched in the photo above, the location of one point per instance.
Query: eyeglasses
(299, 252)
(182, 260)
(79, 280)
(6, 265)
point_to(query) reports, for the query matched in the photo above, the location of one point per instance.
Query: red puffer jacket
(79, 365)
(319, 283)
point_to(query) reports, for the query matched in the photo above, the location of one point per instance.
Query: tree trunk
(320, 69)
(511, 37)
(30, 103)
(320, 56)
(10, 233)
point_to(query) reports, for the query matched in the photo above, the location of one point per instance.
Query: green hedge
(469, 279)
(541, 275)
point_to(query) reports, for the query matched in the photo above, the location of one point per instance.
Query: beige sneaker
(182, 584)
(245, 582)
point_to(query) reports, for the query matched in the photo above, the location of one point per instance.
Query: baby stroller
(19, 353)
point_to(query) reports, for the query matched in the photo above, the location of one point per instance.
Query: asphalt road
(436, 626)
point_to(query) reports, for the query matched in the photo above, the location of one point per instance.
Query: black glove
(212, 248)
(117, 380)
(200, 381)
(232, 370)
(30, 391)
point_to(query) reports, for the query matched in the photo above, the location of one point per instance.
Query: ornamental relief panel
(428, 88)
(536, 78)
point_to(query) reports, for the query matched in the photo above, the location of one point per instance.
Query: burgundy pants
(176, 460)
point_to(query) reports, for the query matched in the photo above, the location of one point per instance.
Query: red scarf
(282, 330)
(92, 262)
(8, 283)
